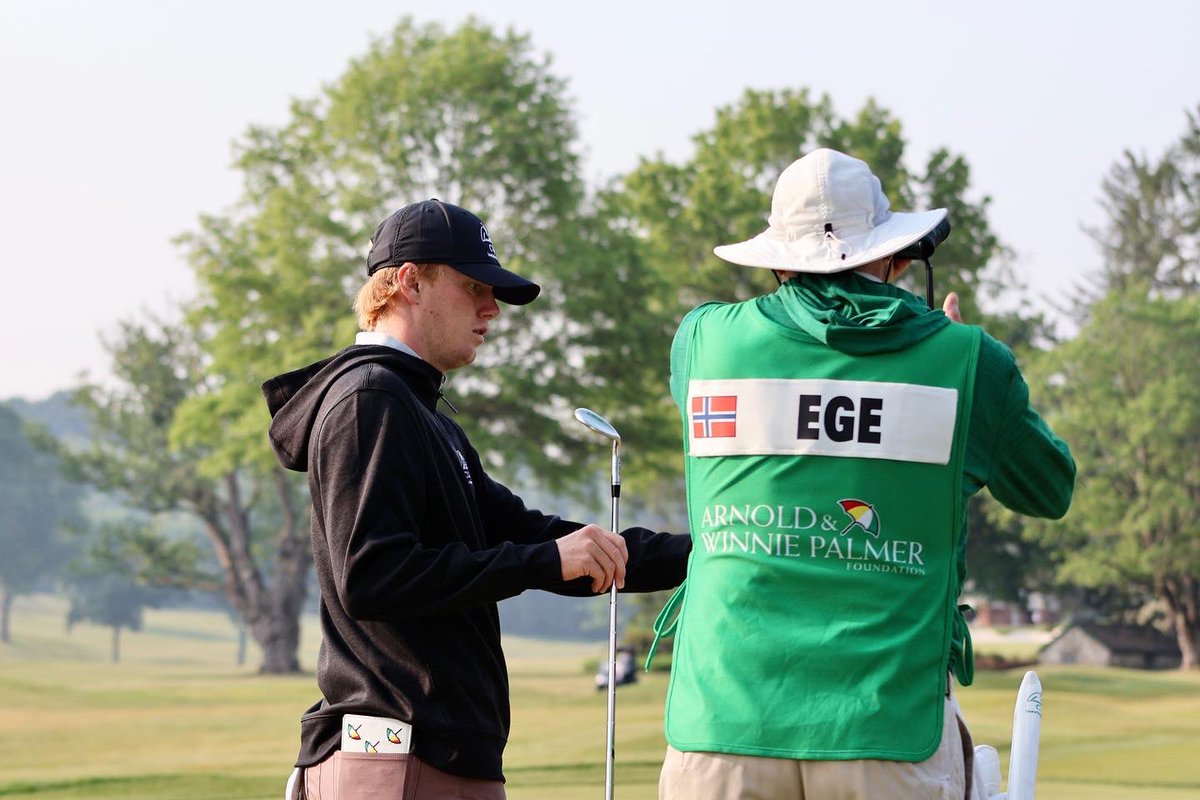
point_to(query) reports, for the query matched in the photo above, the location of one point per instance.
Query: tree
(677, 212)
(1005, 564)
(1152, 237)
(1126, 392)
(107, 599)
(477, 118)
(103, 587)
(722, 193)
(1125, 395)
(37, 506)
(471, 116)
(156, 367)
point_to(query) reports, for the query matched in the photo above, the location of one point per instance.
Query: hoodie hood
(295, 399)
(853, 314)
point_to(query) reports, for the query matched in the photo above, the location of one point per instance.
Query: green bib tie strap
(666, 621)
(964, 666)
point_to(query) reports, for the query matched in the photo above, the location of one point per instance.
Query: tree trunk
(278, 630)
(6, 604)
(1183, 604)
(293, 559)
(271, 613)
(116, 644)
(279, 637)
(1188, 637)
(1187, 633)
(241, 648)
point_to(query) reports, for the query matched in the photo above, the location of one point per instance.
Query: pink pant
(390, 776)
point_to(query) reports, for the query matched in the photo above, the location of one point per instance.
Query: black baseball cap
(433, 232)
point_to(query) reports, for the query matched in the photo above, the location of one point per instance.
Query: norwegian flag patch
(714, 417)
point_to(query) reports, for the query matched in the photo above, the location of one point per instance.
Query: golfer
(414, 543)
(834, 431)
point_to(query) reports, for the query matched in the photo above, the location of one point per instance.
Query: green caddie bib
(825, 503)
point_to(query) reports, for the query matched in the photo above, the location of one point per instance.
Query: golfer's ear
(409, 284)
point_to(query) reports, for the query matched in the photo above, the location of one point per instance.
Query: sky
(117, 118)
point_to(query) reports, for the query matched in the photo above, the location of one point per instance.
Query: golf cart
(626, 668)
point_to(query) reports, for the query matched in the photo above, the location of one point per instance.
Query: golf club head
(594, 422)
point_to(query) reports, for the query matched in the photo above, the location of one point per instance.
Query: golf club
(594, 422)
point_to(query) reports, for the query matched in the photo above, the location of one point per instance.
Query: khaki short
(390, 776)
(720, 776)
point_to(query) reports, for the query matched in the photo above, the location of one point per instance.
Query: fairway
(178, 719)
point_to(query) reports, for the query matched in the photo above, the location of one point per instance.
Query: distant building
(998, 614)
(1044, 609)
(1039, 609)
(1093, 644)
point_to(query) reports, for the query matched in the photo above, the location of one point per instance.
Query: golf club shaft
(610, 759)
(598, 424)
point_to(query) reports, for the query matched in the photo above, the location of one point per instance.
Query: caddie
(834, 431)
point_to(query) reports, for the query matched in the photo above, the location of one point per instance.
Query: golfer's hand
(595, 553)
(950, 306)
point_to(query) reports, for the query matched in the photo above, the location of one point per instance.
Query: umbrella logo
(861, 514)
(1035, 704)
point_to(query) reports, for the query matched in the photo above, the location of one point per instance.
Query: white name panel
(849, 419)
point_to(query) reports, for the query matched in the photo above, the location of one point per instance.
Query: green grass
(177, 719)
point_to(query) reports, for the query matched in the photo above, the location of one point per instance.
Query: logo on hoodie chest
(452, 441)
(465, 469)
(817, 417)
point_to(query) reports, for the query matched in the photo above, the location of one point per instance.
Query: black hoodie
(414, 545)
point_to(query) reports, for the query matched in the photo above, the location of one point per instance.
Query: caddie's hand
(595, 553)
(950, 306)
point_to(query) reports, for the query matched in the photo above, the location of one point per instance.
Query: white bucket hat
(829, 214)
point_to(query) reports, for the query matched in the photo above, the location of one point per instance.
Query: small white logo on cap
(483, 235)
